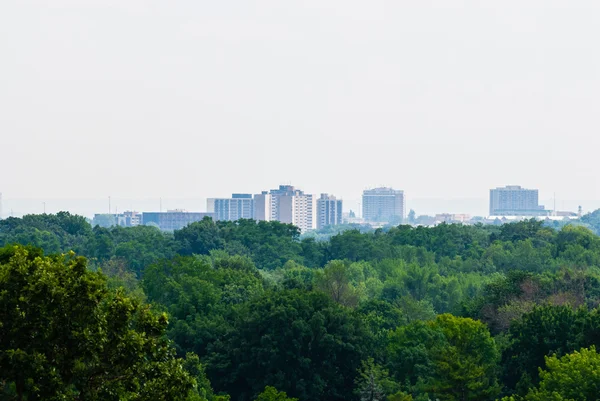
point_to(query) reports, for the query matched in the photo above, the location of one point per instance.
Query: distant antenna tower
(580, 211)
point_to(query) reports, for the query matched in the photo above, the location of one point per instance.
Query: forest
(252, 310)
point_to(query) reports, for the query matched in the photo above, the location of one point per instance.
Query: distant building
(297, 209)
(173, 219)
(383, 205)
(287, 205)
(262, 207)
(239, 206)
(515, 201)
(128, 219)
(329, 211)
(452, 218)
(125, 219)
(105, 220)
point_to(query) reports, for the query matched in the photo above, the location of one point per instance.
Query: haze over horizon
(197, 99)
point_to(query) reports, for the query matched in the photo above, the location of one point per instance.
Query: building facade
(239, 206)
(329, 211)
(514, 200)
(262, 206)
(383, 205)
(172, 220)
(287, 205)
(129, 219)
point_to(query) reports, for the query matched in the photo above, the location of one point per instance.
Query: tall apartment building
(239, 206)
(263, 206)
(383, 205)
(513, 200)
(287, 205)
(329, 211)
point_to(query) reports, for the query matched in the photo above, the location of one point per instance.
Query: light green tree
(271, 394)
(450, 358)
(574, 377)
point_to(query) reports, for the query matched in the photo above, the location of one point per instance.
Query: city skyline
(423, 206)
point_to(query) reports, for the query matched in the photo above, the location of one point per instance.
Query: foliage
(271, 394)
(63, 335)
(373, 382)
(302, 343)
(449, 358)
(313, 315)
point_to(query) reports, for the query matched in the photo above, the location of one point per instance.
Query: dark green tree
(302, 343)
(64, 335)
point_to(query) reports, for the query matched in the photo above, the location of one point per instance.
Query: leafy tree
(544, 331)
(334, 281)
(400, 396)
(302, 343)
(199, 238)
(373, 382)
(271, 394)
(573, 377)
(450, 358)
(63, 335)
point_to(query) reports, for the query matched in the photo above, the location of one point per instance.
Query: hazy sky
(194, 99)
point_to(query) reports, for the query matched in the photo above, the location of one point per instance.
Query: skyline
(422, 206)
(442, 99)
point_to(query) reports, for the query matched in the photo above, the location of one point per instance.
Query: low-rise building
(172, 220)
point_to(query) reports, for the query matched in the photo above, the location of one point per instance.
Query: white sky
(192, 99)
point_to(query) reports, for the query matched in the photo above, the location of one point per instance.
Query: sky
(190, 99)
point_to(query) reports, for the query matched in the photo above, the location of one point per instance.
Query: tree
(271, 394)
(373, 382)
(334, 281)
(301, 343)
(544, 331)
(574, 377)
(64, 335)
(450, 358)
(199, 238)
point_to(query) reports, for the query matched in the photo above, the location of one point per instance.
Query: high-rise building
(287, 205)
(239, 206)
(297, 209)
(262, 207)
(329, 211)
(383, 205)
(513, 200)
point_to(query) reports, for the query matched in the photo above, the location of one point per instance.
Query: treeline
(451, 312)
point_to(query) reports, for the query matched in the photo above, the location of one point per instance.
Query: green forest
(251, 311)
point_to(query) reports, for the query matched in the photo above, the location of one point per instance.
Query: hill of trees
(251, 311)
